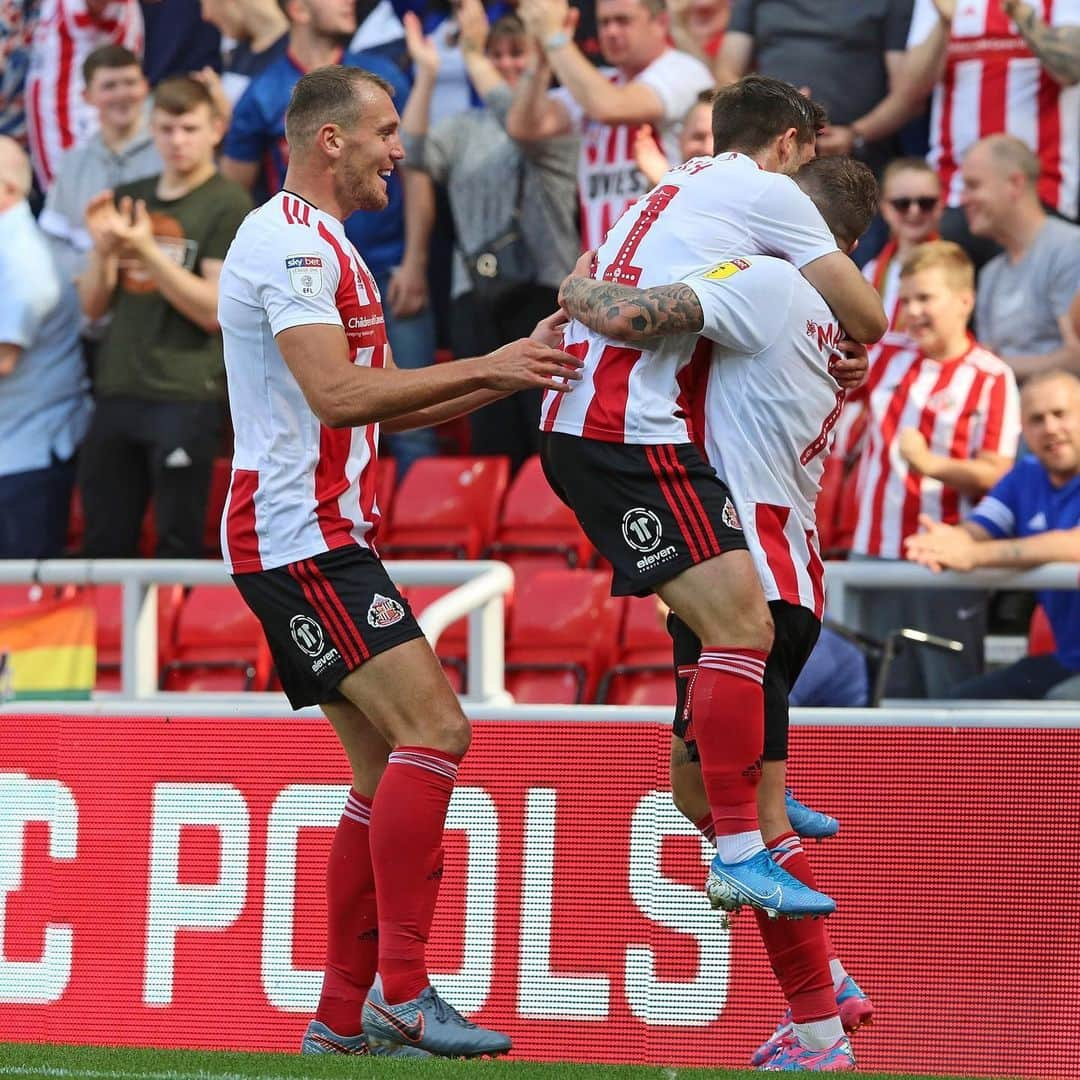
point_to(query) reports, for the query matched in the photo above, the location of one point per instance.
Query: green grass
(26, 1061)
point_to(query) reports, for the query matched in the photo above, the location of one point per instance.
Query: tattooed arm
(1057, 47)
(628, 314)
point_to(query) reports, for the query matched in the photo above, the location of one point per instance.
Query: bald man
(1024, 294)
(1030, 517)
(44, 393)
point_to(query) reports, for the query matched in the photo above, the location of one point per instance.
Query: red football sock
(796, 947)
(705, 827)
(793, 859)
(408, 816)
(352, 939)
(728, 710)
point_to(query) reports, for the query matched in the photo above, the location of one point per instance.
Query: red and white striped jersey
(608, 177)
(769, 408)
(883, 272)
(57, 116)
(962, 407)
(298, 488)
(702, 213)
(993, 83)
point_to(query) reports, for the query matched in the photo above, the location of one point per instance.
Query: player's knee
(452, 734)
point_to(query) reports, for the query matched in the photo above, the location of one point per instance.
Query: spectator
(155, 263)
(695, 140)
(990, 75)
(698, 26)
(1022, 309)
(943, 428)
(120, 151)
(17, 21)
(1031, 517)
(496, 186)
(652, 84)
(178, 40)
(67, 33)
(44, 399)
(848, 56)
(260, 33)
(393, 242)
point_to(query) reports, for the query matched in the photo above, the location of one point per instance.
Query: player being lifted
(764, 409)
(619, 450)
(311, 379)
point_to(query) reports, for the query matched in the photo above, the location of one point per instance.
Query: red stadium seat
(643, 664)
(385, 485)
(219, 644)
(19, 596)
(562, 635)
(1040, 634)
(453, 644)
(109, 611)
(446, 508)
(215, 506)
(536, 524)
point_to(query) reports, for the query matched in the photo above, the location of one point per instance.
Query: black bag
(505, 261)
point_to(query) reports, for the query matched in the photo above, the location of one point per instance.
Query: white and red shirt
(298, 488)
(962, 407)
(703, 212)
(57, 116)
(608, 177)
(769, 408)
(993, 83)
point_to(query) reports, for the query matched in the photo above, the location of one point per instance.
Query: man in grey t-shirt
(1024, 294)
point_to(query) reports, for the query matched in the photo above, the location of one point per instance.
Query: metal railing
(478, 596)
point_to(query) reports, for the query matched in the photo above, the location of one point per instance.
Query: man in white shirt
(619, 449)
(649, 83)
(766, 404)
(310, 380)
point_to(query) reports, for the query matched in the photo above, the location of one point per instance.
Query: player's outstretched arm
(342, 394)
(626, 313)
(855, 302)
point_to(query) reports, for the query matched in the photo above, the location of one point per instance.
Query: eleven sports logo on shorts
(305, 274)
(642, 530)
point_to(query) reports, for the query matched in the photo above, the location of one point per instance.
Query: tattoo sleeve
(629, 314)
(1057, 47)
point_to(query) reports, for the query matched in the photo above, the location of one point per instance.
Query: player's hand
(649, 157)
(585, 265)
(407, 294)
(216, 89)
(941, 547)
(101, 218)
(527, 365)
(850, 364)
(549, 331)
(913, 448)
(835, 140)
(135, 229)
(473, 25)
(422, 50)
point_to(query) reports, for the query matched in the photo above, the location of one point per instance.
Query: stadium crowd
(137, 136)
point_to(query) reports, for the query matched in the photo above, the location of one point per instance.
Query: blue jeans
(1029, 679)
(34, 510)
(413, 343)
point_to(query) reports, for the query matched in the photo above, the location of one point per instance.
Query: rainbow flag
(47, 650)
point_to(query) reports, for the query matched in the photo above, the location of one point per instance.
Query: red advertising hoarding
(161, 885)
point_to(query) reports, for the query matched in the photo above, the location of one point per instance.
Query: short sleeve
(998, 510)
(248, 133)
(221, 233)
(785, 222)
(741, 20)
(1065, 280)
(1001, 431)
(298, 280)
(743, 301)
(31, 287)
(924, 16)
(573, 109)
(676, 78)
(897, 25)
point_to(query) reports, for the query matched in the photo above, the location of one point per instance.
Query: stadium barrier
(161, 883)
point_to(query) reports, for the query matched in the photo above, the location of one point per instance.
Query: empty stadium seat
(385, 484)
(219, 644)
(536, 524)
(453, 644)
(562, 635)
(220, 476)
(1040, 633)
(108, 604)
(446, 508)
(641, 674)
